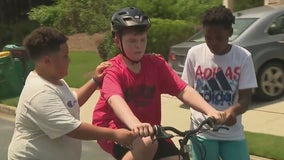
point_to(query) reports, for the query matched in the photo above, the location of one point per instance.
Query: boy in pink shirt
(132, 87)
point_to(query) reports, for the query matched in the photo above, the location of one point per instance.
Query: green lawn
(265, 145)
(81, 69)
(10, 101)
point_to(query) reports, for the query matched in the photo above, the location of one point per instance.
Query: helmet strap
(123, 53)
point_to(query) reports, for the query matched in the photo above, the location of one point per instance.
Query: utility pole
(229, 4)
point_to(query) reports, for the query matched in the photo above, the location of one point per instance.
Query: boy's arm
(89, 132)
(239, 108)
(192, 98)
(124, 113)
(84, 92)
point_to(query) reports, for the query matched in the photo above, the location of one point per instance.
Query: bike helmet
(129, 17)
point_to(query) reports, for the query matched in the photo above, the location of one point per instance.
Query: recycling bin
(11, 82)
(21, 59)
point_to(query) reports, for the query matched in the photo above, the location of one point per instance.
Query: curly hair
(43, 41)
(219, 15)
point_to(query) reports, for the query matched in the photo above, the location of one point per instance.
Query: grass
(10, 101)
(265, 145)
(81, 69)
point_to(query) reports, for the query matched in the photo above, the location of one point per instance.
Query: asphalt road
(6, 131)
(262, 117)
(90, 149)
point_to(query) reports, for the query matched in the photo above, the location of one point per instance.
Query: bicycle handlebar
(160, 131)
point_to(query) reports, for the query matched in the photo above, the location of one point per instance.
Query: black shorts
(165, 149)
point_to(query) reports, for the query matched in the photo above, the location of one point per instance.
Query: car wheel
(270, 81)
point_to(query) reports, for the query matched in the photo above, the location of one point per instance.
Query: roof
(259, 11)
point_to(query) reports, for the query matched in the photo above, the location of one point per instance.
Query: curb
(253, 157)
(7, 109)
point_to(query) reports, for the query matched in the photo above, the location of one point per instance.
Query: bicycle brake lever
(218, 128)
(211, 121)
(160, 133)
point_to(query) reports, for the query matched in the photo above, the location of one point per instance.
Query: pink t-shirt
(142, 91)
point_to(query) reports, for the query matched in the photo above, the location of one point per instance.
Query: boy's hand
(157, 54)
(124, 137)
(143, 130)
(99, 74)
(219, 116)
(231, 117)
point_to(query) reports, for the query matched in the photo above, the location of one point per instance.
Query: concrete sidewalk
(265, 118)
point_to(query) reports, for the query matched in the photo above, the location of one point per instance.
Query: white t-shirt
(218, 78)
(44, 115)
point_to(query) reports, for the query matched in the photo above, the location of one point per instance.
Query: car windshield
(241, 24)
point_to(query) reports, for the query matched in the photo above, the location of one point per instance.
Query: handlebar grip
(211, 121)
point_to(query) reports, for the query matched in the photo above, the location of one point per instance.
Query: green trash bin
(21, 59)
(11, 82)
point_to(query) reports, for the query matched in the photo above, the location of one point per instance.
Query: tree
(75, 16)
(12, 11)
(171, 9)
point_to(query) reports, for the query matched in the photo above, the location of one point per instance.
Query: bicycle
(160, 133)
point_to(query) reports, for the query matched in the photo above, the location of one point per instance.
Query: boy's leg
(161, 149)
(204, 149)
(166, 150)
(143, 148)
(234, 150)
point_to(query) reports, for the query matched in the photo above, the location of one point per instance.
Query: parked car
(261, 31)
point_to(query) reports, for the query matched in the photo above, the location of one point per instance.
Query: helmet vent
(122, 13)
(129, 17)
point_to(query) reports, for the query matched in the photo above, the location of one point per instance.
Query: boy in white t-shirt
(47, 123)
(224, 75)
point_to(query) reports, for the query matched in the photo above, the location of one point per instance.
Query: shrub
(164, 33)
(73, 16)
(107, 49)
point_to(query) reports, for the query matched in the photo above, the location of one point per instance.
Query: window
(241, 24)
(277, 26)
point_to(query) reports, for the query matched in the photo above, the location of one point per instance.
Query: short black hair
(219, 15)
(43, 41)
